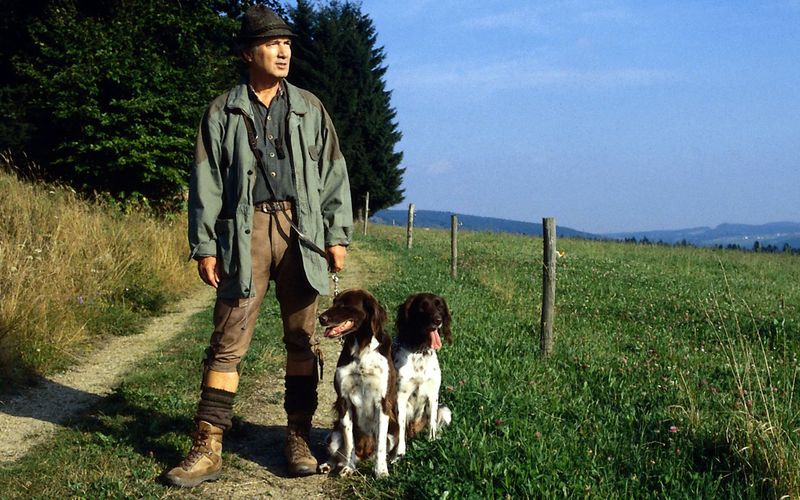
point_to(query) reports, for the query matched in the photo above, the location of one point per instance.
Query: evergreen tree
(336, 56)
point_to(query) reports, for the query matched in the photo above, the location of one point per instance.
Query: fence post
(410, 229)
(366, 213)
(549, 285)
(454, 246)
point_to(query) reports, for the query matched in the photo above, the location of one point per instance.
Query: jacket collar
(238, 98)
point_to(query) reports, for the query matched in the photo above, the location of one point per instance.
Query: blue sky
(608, 115)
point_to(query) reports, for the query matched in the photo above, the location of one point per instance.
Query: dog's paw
(397, 458)
(324, 468)
(381, 472)
(347, 471)
(444, 416)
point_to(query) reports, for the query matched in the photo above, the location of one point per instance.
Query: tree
(107, 95)
(336, 56)
(119, 88)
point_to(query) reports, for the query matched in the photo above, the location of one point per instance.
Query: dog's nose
(323, 318)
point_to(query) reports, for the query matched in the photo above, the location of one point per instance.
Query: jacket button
(246, 231)
(273, 174)
(249, 172)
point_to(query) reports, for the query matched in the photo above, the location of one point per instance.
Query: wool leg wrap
(301, 395)
(216, 407)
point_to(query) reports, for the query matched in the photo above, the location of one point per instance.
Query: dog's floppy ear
(445, 330)
(378, 314)
(402, 313)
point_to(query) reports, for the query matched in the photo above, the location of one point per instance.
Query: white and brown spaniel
(365, 383)
(422, 320)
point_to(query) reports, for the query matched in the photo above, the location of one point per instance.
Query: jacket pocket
(226, 245)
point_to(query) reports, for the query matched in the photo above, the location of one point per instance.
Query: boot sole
(192, 482)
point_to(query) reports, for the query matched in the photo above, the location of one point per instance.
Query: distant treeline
(107, 95)
(757, 246)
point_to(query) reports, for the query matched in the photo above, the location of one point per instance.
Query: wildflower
(537, 435)
(673, 429)
(498, 422)
(80, 299)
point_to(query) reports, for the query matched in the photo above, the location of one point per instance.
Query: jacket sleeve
(337, 209)
(205, 187)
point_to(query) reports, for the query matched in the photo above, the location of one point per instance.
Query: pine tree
(336, 57)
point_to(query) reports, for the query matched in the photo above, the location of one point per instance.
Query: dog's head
(352, 311)
(422, 320)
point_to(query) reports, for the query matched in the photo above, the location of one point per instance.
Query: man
(252, 222)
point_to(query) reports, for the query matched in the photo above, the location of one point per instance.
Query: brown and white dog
(422, 320)
(365, 383)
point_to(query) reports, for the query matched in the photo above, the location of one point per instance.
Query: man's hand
(209, 271)
(336, 255)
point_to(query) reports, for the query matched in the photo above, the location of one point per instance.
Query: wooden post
(548, 285)
(366, 213)
(454, 246)
(410, 229)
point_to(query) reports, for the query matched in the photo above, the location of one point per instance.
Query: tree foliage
(116, 88)
(107, 94)
(336, 56)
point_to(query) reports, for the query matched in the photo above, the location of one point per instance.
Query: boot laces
(297, 445)
(200, 448)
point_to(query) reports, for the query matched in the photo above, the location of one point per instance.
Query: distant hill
(436, 219)
(745, 235)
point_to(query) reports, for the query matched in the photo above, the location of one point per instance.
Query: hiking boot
(300, 460)
(204, 461)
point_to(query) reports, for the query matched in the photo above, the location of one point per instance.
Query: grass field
(674, 375)
(674, 372)
(76, 271)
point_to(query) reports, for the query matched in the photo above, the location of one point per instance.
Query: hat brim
(273, 33)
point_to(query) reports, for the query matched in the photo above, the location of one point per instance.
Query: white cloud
(440, 167)
(541, 17)
(524, 74)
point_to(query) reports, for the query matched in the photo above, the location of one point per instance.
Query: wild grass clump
(75, 271)
(762, 419)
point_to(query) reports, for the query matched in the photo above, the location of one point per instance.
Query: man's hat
(262, 22)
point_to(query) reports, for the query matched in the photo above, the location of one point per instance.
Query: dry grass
(75, 271)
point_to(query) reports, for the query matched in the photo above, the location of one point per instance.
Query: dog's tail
(444, 416)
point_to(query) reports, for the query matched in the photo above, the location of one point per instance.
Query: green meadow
(674, 375)
(674, 371)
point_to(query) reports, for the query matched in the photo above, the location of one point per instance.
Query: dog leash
(252, 138)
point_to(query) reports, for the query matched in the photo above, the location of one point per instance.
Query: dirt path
(28, 419)
(254, 463)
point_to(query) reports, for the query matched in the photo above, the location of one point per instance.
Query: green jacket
(224, 173)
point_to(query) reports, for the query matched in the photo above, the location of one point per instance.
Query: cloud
(515, 74)
(541, 17)
(516, 20)
(440, 167)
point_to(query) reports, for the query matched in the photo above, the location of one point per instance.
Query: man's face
(270, 57)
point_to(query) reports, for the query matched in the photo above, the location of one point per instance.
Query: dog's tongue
(335, 331)
(436, 341)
